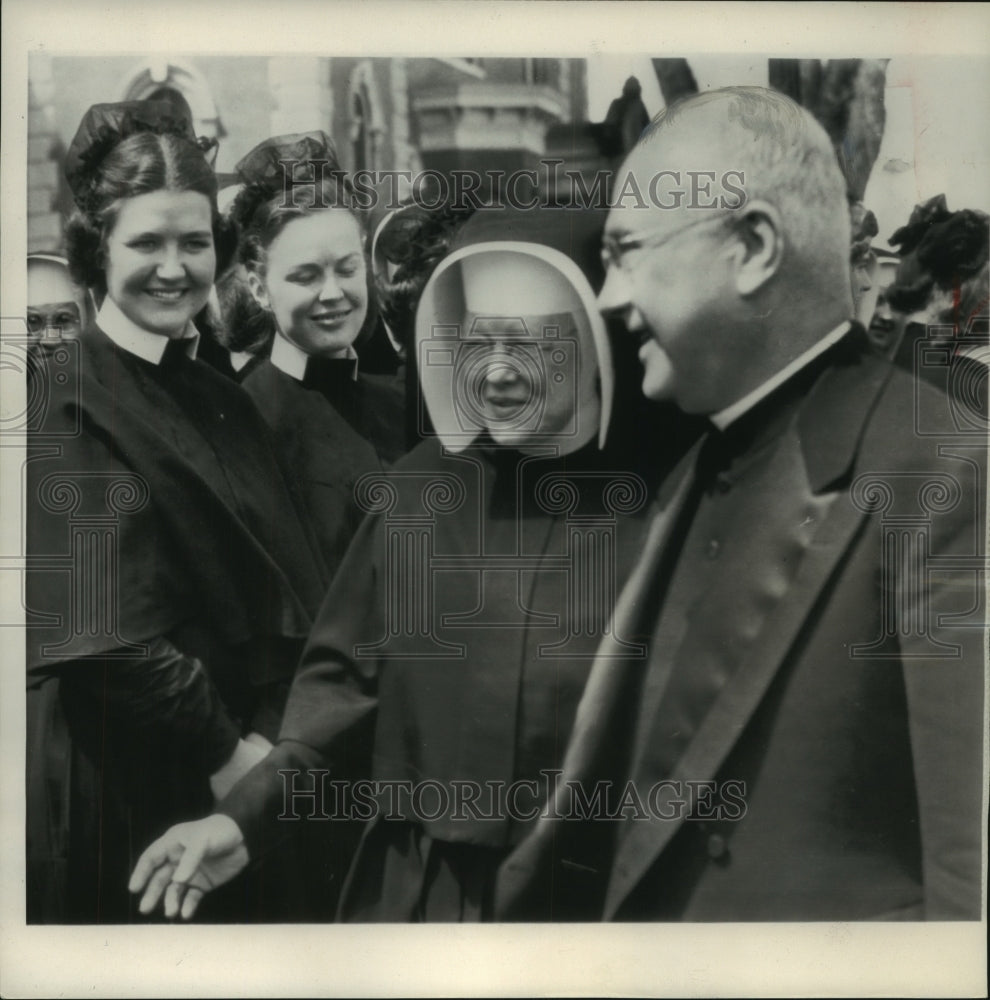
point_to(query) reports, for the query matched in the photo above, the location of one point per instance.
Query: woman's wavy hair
(263, 209)
(142, 163)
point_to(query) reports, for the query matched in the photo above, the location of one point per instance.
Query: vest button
(717, 847)
(713, 548)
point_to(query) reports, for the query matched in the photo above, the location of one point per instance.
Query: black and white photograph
(516, 469)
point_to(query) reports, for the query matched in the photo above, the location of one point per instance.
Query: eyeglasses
(615, 247)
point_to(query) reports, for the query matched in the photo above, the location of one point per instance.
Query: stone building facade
(384, 114)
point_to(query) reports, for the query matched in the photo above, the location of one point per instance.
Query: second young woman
(303, 247)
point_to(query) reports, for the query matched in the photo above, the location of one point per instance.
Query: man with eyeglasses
(804, 738)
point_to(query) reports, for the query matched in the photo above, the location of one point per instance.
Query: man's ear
(761, 246)
(258, 290)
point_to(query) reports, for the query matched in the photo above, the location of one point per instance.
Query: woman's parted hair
(142, 163)
(262, 211)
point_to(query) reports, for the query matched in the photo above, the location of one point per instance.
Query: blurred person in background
(882, 324)
(407, 245)
(57, 307)
(941, 281)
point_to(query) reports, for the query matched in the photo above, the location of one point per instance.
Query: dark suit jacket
(832, 668)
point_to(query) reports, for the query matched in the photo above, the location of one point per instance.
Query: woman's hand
(187, 862)
(247, 753)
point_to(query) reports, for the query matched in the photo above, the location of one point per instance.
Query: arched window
(180, 84)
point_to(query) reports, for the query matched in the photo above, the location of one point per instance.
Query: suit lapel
(728, 715)
(612, 663)
(823, 445)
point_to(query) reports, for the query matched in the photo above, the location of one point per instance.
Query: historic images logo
(312, 795)
(548, 187)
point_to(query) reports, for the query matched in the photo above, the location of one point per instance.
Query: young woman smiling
(304, 249)
(193, 584)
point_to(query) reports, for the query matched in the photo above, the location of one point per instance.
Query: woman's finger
(156, 886)
(190, 904)
(174, 893)
(154, 856)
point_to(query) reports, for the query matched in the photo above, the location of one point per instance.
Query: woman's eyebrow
(140, 234)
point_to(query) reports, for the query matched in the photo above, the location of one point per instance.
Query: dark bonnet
(104, 127)
(277, 165)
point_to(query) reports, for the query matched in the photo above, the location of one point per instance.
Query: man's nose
(615, 292)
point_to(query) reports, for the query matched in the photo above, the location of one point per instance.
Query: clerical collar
(288, 358)
(238, 359)
(134, 339)
(732, 413)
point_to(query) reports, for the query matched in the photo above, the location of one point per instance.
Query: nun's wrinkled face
(315, 282)
(506, 346)
(530, 388)
(160, 259)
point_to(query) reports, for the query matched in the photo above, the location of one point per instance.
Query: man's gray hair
(786, 156)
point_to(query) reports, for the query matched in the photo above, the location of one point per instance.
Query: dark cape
(171, 583)
(329, 430)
